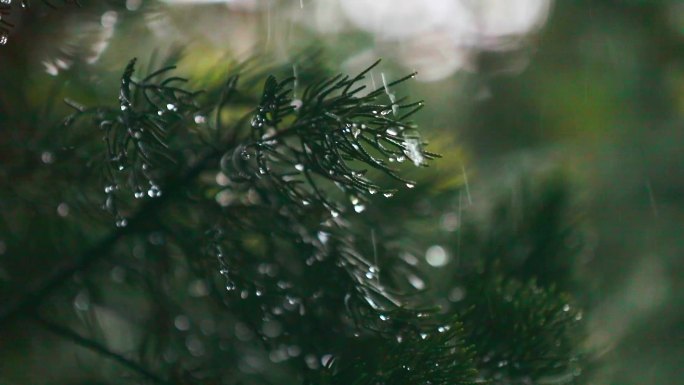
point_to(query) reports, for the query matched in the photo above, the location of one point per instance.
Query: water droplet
(354, 200)
(400, 339)
(385, 112)
(423, 336)
(456, 294)
(392, 131)
(401, 158)
(123, 222)
(299, 167)
(416, 282)
(323, 236)
(372, 191)
(63, 209)
(566, 307)
(326, 359)
(294, 351)
(171, 107)
(47, 157)
(436, 256)
(359, 208)
(3, 39)
(154, 191)
(123, 108)
(182, 322)
(410, 185)
(384, 317)
(311, 361)
(82, 300)
(334, 213)
(356, 132)
(296, 103)
(443, 329)
(388, 194)
(200, 119)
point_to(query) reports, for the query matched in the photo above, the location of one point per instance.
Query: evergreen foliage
(245, 249)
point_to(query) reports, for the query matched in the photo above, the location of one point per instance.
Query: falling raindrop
(413, 150)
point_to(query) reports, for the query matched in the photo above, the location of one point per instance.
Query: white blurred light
(440, 37)
(436, 256)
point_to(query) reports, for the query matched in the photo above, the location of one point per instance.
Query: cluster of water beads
(121, 221)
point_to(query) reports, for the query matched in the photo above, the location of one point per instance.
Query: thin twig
(89, 344)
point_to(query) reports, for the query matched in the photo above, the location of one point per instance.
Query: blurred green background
(512, 87)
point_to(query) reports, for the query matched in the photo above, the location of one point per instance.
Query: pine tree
(261, 231)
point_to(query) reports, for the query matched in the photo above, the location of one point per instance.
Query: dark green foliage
(240, 243)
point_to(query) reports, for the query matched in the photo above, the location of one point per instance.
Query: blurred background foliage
(584, 94)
